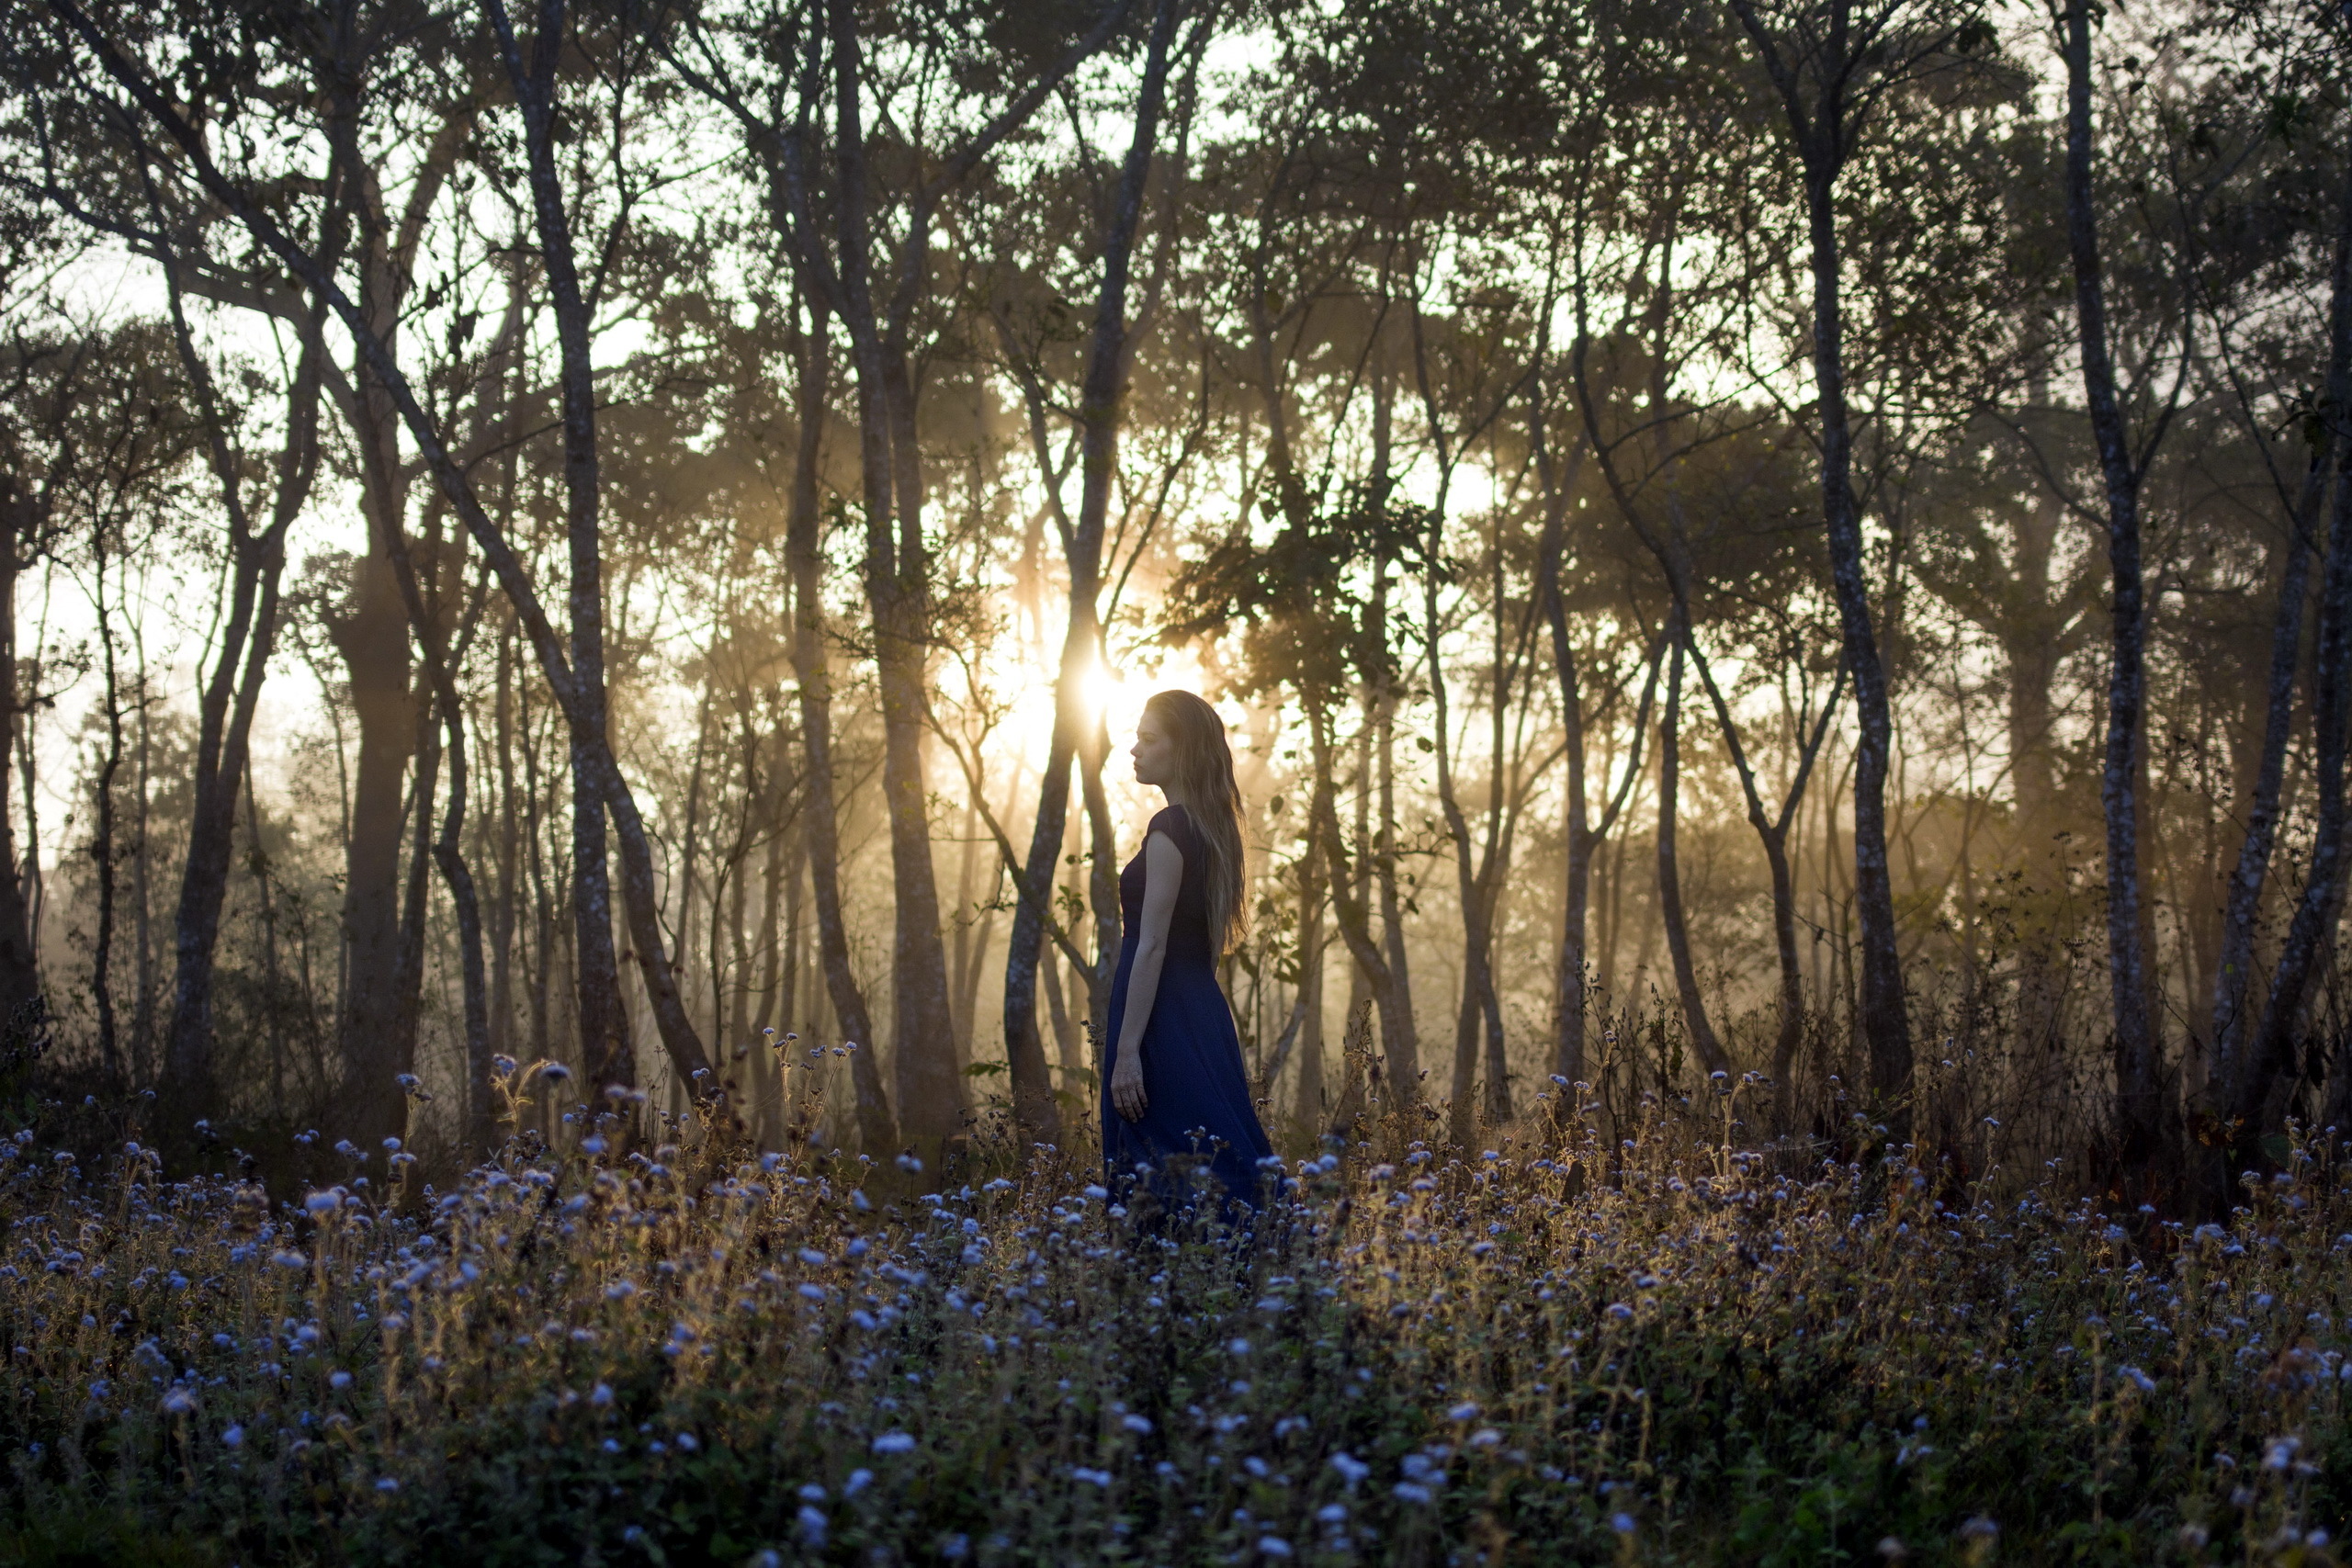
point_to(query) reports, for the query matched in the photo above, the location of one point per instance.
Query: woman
(1174, 1085)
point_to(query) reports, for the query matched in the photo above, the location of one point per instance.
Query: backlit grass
(688, 1352)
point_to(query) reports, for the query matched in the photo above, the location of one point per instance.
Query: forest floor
(690, 1353)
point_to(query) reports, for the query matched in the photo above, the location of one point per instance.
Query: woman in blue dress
(1174, 1088)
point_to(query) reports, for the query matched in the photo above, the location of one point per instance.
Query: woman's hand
(1163, 874)
(1127, 1087)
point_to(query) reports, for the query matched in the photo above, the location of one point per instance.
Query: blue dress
(1196, 1088)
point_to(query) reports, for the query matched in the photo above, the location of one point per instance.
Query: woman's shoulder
(1177, 823)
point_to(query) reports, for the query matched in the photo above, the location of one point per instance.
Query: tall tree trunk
(2233, 1008)
(19, 974)
(811, 664)
(225, 709)
(1823, 121)
(1399, 1028)
(102, 845)
(260, 862)
(1710, 1050)
(408, 975)
(775, 938)
(449, 856)
(1885, 1022)
(373, 641)
(598, 783)
(963, 957)
(1572, 993)
(1100, 402)
(1772, 832)
(1390, 997)
(2310, 932)
(2033, 651)
(504, 898)
(2142, 1123)
(143, 1017)
(689, 883)
(1311, 1100)
(897, 574)
(1101, 874)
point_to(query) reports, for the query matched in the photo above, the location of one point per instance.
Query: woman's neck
(1176, 797)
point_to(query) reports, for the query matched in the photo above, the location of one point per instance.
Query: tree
(1831, 64)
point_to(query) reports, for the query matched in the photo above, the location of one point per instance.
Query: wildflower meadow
(686, 1350)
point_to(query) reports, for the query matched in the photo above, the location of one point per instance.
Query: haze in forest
(1800, 544)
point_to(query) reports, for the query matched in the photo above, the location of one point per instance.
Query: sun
(1101, 688)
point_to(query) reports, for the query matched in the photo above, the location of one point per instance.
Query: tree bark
(598, 783)
(1710, 1050)
(897, 574)
(2228, 1082)
(102, 844)
(1310, 1099)
(1390, 997)
(2141, 1119)
(2310, 930)
(1822, 132)
(1772, 832)
(1100, 397)
(225, 709)
(408, 973)
(811, 665)
(19, 974)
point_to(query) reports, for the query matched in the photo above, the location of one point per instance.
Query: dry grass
(694, 1353)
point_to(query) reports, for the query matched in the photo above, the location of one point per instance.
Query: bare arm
(1163, 874)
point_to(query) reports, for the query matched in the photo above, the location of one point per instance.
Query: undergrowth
(687, 1351)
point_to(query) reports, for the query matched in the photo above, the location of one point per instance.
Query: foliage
(690, 1352)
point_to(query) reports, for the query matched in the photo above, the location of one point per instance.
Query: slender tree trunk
(1572, 993)
(535, 865)
(963, 959)
(697, 829)
(1570, 997)
(1821, 127)
(466, 902)
(1885, 1022)
(275, 991)
(1311, 1100)
(1102, 876)
(2032, 654)
(2233, 1009)
(373, 641)
(598, 783)
(102, 845)
(897, 573)
(225, 709)
(1101, 398)
(775, 938)
(1710, 1050)
(1399, 1029)
(408, 994)
(1772, 832)
(811, 665)
(19, 974)
(141, 1055)
(1068, 1039)
(2303, 953)
(1472, 882)
(33, 887)
(1390, 997)
(503, 915)
(2141, 1120)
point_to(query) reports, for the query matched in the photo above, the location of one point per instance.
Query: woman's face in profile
(1155, 754)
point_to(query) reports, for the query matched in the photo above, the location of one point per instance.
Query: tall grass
(687, 1351)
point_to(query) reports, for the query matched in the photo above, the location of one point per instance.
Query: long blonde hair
(1204, 780)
